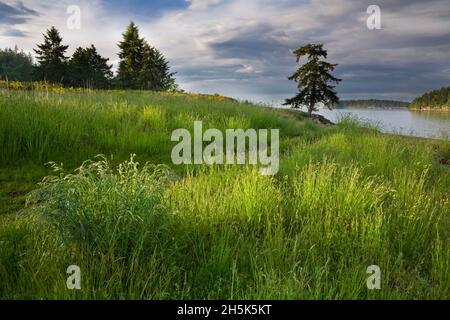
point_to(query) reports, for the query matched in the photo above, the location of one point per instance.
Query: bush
(108, 210)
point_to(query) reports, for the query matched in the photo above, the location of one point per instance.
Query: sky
(243, 48)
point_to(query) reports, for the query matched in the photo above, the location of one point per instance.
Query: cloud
(12, 15)
(244, 48)
(15, 13)
(248, 69)
(262, 34)
(12, 33)
(202, 4)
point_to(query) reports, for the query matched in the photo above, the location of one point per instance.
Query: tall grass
(346, 197)
(76, 127)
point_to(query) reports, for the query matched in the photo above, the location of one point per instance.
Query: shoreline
(430, 109)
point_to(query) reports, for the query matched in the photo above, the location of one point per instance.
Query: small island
(436, 100)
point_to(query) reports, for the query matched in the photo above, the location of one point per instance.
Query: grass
(346, 197)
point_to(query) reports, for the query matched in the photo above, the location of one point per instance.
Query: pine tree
(131, 57)
(313, 79)
(155, 73)
(142, 66)
(89, 69)
(51, 57)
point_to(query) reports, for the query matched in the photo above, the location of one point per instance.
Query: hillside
(372, 103)
(436, 100)
(140, 227)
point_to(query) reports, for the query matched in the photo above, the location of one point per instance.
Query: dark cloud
(146, 9)
(395, 61)
(11, 15)
(251, 43)
(14, 33)
(405, 81)
(15, 14)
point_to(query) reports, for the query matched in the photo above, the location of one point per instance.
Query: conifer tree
(155, 72)
(87, 68)
(142, 66)
(313, 79)
(131, 56)
(51, 58)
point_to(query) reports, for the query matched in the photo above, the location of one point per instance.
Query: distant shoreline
(372, 104)
(428, 109)
(363, 107)
(431, 109)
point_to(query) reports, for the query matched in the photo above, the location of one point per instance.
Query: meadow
(110, 201)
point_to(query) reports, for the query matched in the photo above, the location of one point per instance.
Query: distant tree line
(141, 66)
(15, 65)
(436, 99)
(372, 103)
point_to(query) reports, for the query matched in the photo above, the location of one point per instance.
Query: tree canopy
(52, 61)
(141, 66)
(131, 57)
(436, 99)
(88, 69)
(15, 65)
(155, 72)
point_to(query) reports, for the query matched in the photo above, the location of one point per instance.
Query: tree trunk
(310, 109)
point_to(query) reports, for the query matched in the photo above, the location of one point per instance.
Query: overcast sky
(243, 48)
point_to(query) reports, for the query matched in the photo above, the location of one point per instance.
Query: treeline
(433, 100)
(372, 103)
(141, 66)
(16, 65)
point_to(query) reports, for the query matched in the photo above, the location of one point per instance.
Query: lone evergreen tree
(51, 57)
(131, 57)
(89, 69)
(313, 79)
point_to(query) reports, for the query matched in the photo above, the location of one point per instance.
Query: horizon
(244, 49)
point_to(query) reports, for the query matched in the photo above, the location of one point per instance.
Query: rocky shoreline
(431, 109)
(319, 119)
(302, 115)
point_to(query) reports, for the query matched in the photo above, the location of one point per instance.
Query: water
(400, 121)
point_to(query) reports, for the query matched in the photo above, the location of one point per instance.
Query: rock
(319, 119)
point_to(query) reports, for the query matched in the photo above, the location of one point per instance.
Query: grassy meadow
(346, 197)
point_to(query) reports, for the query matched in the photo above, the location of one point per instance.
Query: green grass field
(346, 197)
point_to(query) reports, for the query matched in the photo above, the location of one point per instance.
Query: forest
(141, 66)
(372, 103)
(433, 100)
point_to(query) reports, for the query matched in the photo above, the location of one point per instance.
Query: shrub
(109, 210)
